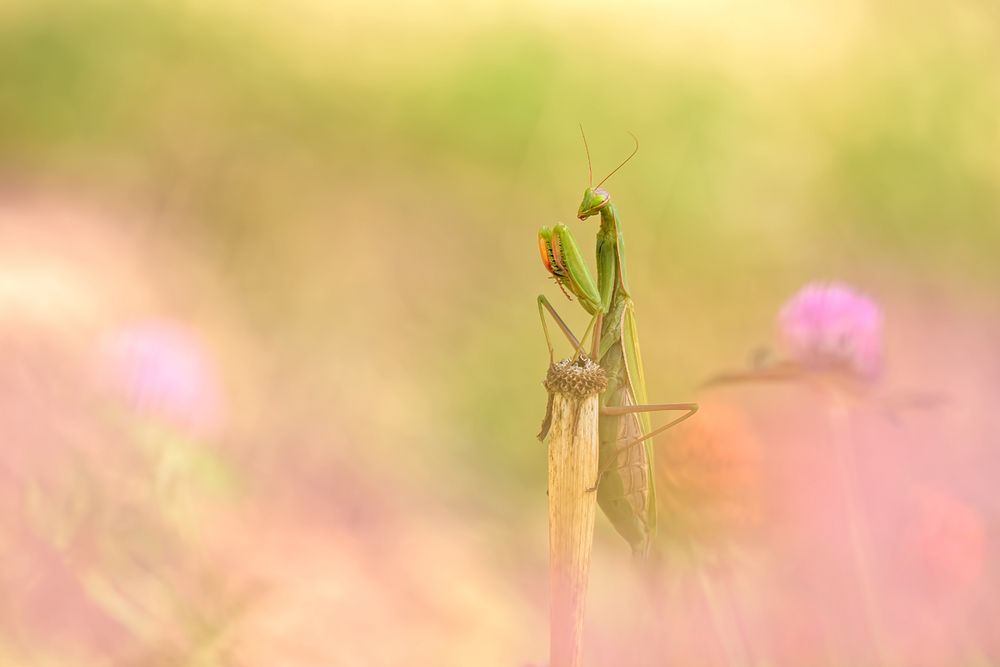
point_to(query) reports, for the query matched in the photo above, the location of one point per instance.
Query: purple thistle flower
(829, 325)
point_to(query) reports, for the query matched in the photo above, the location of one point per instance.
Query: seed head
(579, 378)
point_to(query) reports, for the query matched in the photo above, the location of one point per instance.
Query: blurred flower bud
(163, 372)
(710, 478)
(829, 325)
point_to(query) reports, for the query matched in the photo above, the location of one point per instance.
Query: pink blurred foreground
(159, 506)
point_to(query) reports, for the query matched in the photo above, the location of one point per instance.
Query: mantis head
(594, 199)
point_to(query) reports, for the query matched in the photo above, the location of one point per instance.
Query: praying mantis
(625, 482)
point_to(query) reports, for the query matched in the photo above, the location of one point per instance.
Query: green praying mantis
(625, 484)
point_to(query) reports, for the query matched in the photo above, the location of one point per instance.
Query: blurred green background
(344, 198)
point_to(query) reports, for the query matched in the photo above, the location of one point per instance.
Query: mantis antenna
(624, 162)
(590, 168)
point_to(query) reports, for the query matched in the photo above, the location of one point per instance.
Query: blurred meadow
(271, 360)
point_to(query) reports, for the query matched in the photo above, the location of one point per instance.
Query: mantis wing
(637, 387)
(620, 254)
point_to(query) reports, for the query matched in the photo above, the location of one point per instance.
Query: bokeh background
(271, 363)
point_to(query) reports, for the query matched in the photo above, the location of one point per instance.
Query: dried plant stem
(573, 459)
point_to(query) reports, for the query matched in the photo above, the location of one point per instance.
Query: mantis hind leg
(688, 408)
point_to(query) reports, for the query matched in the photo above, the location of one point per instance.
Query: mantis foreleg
(543, 303)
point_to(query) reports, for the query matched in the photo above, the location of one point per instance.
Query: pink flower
(163, 372)
(829, 325)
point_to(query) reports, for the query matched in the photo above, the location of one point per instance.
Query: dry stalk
(571, 424)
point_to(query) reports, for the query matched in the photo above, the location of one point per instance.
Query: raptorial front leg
(544, 305)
